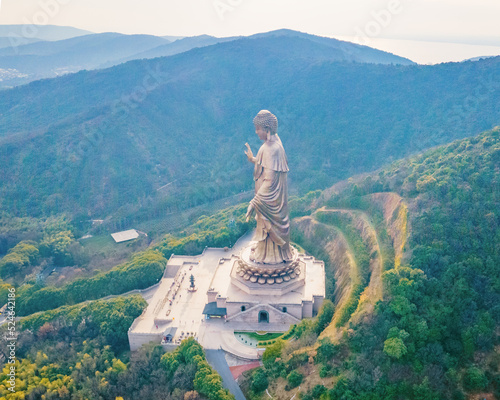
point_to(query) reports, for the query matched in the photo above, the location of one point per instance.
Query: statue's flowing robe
(271, 204)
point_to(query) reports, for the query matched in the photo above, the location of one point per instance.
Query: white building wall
(221, 302)
(293, 309)
(234, 308)
(251, 316)
(318, 301)
(212, 296)
(307, 309)
(136, 340)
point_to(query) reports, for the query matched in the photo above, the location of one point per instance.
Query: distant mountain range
(179, 46)
(42, 32)
(43, 59)
(169, 132)
(346, 51)
(478, 58)
(25, 34)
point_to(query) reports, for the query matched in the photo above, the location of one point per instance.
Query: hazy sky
(393, 25)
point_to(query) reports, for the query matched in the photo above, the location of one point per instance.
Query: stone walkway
(219, 335)
(217, 360)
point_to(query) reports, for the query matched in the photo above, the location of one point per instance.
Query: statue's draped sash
(271, 204)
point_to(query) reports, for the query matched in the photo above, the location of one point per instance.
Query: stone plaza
(224, 302)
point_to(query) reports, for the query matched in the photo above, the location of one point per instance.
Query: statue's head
(267, 121)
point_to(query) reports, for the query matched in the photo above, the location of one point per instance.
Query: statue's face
(261, 132)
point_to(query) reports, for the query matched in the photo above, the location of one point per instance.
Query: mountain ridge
(119, 134)
(41, 32)
(45, 59)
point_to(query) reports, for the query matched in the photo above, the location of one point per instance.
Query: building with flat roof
(227, 299)
(257, 304)
(125, 236)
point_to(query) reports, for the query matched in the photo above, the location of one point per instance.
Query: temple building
(284, 298)
(226, 294)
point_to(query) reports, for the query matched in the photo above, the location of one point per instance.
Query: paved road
(217, 360)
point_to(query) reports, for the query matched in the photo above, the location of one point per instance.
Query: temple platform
(225, 301)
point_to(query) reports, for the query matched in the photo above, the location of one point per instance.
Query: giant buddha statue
(270, 203)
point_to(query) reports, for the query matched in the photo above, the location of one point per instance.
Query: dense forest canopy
(153, 136)
(431, 335)
(435, 333)
(79, 352)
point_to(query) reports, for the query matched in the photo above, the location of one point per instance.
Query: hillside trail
(353, 274)
(373, 291)
(395, 222)
(374, 288)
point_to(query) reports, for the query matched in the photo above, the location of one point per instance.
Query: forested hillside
(77, 347)
(141, 271)
(152, 136)
(411, 255)
(391, 184)
(80, 352)
(432, 332)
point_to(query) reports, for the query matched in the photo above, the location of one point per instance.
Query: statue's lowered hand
(250, 212)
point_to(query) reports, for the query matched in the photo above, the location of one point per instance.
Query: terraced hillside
(357, 246)
(412, 263)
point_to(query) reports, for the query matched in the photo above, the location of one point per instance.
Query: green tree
(28, 249)
(423, 391)
(19, 259)
(294, 379)
(474, 379)
(395, 348)
(325, 316)
(57, 245)
(12, 264)
(326, 351)
(259, 381)
(318, 391)
(272, 352)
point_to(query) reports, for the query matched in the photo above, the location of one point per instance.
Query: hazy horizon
(418, 30)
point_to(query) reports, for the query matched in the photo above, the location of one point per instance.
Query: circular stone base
(269, 274)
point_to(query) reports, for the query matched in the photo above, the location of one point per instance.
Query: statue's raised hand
(249, 153)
